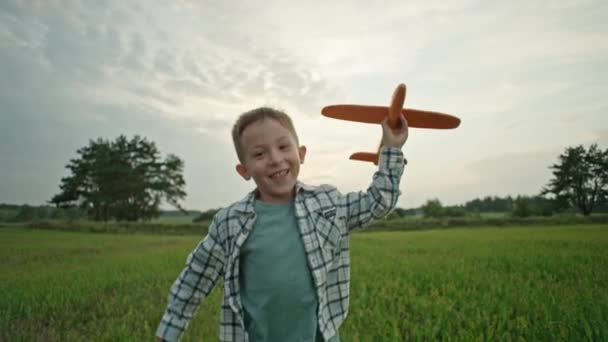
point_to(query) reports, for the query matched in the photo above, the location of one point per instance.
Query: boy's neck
(273, 200)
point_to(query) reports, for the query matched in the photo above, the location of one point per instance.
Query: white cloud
(522, 76)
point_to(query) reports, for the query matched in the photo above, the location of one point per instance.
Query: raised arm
(363, 207)
(380, 198)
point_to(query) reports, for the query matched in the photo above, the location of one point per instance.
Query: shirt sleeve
(204, 267)
(381, 197)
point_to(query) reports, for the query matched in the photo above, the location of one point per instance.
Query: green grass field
(533, 283)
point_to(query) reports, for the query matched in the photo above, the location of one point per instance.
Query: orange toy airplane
(375, 114)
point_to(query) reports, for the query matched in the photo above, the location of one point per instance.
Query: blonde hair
(255, 115)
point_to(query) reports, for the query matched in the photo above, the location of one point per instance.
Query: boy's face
(272, 158)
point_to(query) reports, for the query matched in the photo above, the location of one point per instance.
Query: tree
(122, 179)
(58, 214)
(432, 208)
(522, 207)
(454, 211)
(490, 204)
(406, 212)
(26, 213)
(580, 178)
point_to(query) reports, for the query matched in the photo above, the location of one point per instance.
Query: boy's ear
(240, 168)
(302, 153)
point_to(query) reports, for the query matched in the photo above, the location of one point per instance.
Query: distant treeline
(519, 206)
(25, 213)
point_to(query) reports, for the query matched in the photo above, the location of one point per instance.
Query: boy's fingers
(404, 124)
(400, 132)
(401, 129)
(384, 122)
(385, 127)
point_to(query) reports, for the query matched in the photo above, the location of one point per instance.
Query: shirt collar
(245, 205)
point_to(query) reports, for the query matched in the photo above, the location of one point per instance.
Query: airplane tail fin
(365, 156)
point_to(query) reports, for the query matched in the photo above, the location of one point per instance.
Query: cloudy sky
(527, 78)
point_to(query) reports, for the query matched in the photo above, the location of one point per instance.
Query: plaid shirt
(324, 218)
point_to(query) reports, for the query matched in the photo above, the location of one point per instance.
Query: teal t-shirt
(277, 291)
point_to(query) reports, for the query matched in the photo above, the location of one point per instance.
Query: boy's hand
(394, 137)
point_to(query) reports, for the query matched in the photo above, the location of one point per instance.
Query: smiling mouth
(280, 174)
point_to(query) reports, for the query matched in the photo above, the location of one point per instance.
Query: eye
(284, 147)
(258, 154)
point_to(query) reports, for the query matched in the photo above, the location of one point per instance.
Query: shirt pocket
(328, 230)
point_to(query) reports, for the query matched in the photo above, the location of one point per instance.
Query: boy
(282, 251)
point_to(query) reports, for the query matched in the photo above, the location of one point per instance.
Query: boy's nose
(275, 157)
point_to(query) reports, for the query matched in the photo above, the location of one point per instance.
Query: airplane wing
(365, 156)
(375, 114)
